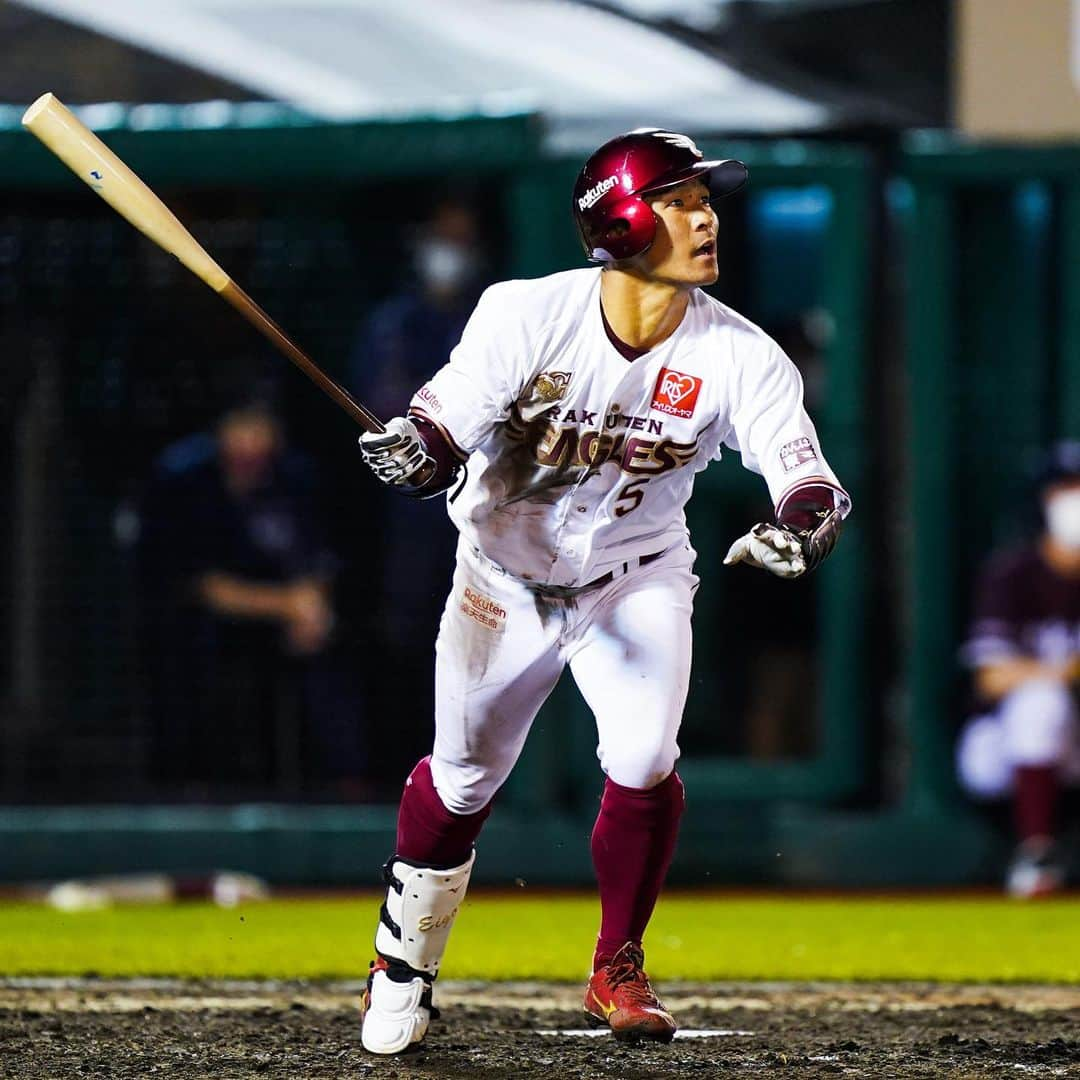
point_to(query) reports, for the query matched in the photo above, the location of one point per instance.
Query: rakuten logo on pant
(676, 394)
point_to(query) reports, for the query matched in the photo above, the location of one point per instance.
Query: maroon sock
(429, 833)
(1035, 792)
(632, 844)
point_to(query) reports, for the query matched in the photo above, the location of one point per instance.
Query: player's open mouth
(708, 248)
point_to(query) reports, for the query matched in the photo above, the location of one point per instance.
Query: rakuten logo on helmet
(676, 394)
(595, 194)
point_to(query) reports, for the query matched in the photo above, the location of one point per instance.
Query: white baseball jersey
(578, 459)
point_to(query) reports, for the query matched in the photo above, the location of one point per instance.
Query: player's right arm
(422, 453)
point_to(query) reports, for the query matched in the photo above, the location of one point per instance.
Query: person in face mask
(1061, 504)
(446, 257)
(394, 349)
(1024, 651)
(404, 339)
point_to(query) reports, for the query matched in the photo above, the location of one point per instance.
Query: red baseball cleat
(620, 997)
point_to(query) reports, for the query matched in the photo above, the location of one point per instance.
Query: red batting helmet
(613, 221)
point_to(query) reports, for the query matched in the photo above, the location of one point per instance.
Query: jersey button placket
(609, 404)
(563, 554)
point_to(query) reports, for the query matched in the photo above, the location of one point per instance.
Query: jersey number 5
(631, 496)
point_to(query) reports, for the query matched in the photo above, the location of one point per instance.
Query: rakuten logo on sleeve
(676, 394)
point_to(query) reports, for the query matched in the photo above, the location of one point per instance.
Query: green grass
(550, 936)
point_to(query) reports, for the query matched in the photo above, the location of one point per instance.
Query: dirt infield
(110, 1030)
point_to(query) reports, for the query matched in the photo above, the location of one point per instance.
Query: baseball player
(1023, 743)
(567, 427)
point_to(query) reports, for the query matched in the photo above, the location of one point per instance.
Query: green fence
(992, 266)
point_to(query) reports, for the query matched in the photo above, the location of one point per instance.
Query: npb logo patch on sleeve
(676, 394)
(797, 452)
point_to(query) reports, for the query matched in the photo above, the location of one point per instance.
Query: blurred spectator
(411, 333)
(406, 338)
(1024, 649)
(238, 616)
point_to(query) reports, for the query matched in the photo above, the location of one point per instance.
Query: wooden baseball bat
(91, 160)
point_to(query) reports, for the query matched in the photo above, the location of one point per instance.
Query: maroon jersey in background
(1023, 609)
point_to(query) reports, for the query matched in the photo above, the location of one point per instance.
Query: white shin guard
(421, 905)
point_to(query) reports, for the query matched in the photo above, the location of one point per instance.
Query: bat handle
(266, 326)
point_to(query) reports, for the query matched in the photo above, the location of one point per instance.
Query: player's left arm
(806, 529)
(778, 439)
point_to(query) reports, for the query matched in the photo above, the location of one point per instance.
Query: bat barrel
(96, 165)
(93, 162)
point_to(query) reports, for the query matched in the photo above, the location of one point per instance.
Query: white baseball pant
(502, 647)
(1035, 724)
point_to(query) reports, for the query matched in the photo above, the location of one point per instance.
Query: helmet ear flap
(627, 229)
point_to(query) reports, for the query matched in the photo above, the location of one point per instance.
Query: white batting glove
(771, 548)
(396, 454)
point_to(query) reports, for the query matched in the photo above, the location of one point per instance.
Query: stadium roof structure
(589, 71)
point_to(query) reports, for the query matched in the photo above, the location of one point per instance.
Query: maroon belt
(566, 592)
